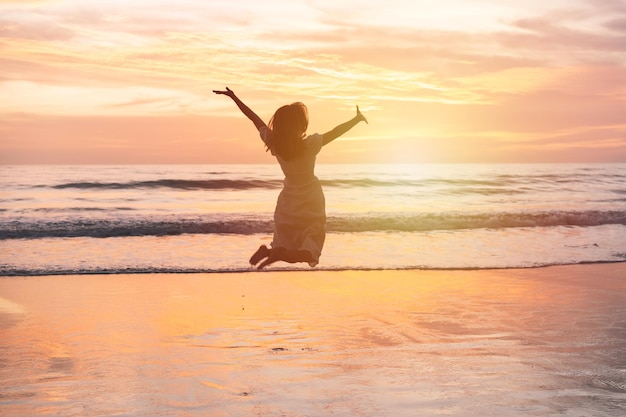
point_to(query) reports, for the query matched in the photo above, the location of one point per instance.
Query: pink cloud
(41, 30)
(618, 25)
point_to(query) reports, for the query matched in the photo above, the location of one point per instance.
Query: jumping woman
(300, 214)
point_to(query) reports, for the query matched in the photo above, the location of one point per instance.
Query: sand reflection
(508, 342)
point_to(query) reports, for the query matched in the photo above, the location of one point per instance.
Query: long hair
(287, 129)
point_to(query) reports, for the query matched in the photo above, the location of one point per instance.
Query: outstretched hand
(228, 92)
(360, 116)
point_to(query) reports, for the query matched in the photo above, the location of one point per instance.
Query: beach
(440, 211)
(502, 342)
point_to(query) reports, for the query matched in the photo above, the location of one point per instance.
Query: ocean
(410, 316)
(210, 218)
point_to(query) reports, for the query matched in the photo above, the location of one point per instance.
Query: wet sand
(527, 342)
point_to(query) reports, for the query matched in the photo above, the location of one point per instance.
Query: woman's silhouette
(300, 215)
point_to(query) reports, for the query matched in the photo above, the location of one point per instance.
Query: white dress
(300, 214)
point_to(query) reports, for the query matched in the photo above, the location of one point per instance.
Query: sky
(130, 81)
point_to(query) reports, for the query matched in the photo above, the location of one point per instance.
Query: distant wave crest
(215, 184)
(455, 186)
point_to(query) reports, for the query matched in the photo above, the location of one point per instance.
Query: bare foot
(261, 253)
(275, 254)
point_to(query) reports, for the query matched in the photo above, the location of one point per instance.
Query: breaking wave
(119, 227)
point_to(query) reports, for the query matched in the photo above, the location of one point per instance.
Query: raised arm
(244, 109)
(344, 127)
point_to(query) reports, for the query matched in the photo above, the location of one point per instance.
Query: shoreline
(173, 271)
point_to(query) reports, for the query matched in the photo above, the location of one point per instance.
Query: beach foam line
(14, 272)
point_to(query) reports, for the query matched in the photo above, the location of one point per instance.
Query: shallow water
(462, 249)
(544, 342)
